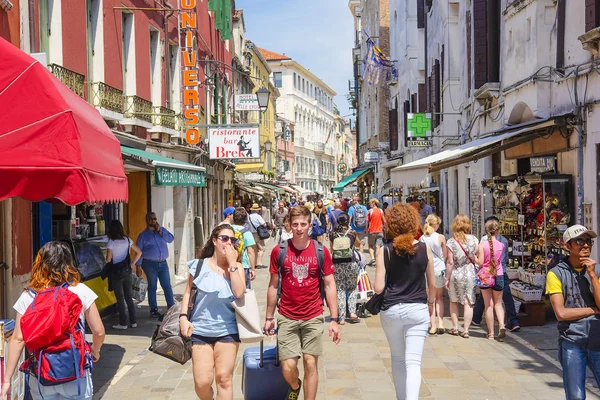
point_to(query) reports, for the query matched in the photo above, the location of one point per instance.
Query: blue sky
(319, 34)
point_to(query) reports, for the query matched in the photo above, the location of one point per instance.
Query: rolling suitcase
(262, 378)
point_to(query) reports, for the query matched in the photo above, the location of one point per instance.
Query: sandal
(453, 332)
(433, 332)
(501, 334)
(465, 335)
(441, 331)
(490, 336)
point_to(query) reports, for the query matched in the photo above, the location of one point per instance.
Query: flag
(378, 69)
(329, 135)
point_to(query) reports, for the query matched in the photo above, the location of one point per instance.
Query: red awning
(53, 144)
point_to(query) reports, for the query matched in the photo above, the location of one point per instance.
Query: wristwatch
(337, 319)
(233, 269)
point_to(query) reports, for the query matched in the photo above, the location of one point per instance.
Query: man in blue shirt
(153, 243)
(509, 302)
(359, 225)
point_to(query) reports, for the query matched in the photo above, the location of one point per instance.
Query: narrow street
(523, 367)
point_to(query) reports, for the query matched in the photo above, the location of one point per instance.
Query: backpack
(283, 247)
(342, 247)
(239, 235)
(54, 334)
(360, 217)
(317, 229)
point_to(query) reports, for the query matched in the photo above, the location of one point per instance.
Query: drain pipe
(167, 52)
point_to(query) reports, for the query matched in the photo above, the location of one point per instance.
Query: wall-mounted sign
(245, 102)
(191, 96)
(521, 249)
(166, 176)
(371, 157)
(542, 164)
(418, 128)
(342, 167)
(232, 142)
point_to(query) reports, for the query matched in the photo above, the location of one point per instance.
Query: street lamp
(262, 96)
(268, 145)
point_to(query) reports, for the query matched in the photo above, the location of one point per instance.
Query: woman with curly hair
(462, 249)
(53, 267)
(489, 256)
(402, 267)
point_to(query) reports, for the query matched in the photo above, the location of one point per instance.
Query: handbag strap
(422, 240)
(464, 251)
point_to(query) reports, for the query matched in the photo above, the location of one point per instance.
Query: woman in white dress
(462, 249)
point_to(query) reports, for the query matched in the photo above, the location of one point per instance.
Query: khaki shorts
(299, 337)
(362, 236)
(375, 239)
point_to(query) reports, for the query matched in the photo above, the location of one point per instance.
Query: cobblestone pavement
(523, 367)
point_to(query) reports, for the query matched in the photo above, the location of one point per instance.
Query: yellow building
(260, 74)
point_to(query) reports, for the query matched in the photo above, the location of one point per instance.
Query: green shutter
(226, 20)
(213, 5)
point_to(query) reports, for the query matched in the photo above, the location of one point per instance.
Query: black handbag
(375, 303)
(122, 269)
(261, 230)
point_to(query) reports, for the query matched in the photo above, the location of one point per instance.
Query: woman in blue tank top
(212, 325)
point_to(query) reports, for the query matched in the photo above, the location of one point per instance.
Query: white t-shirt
(85, 294)
(119, 249)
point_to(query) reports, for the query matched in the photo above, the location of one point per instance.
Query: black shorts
(233, 338)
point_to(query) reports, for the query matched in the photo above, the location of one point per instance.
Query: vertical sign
(476, 206)
(191, 97)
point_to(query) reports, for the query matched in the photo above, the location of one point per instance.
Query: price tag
(521, 219)
(521, 249)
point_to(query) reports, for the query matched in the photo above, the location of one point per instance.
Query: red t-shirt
(300, 285)
(375, 216)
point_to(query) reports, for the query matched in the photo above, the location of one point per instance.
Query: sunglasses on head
(581, 242)
(225, 239)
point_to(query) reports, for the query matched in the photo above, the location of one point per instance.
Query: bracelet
(270, 319)
(182, 315)
(430, 303)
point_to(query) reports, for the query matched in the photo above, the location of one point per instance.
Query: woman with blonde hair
(462, 250)
(437, 244)
(401, 269)
(489, 256)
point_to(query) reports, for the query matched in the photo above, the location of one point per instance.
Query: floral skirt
(462, 286)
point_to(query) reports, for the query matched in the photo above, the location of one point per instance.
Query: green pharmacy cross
(419, 125)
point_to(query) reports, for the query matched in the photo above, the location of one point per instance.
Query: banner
(245, 102)
(232, 142)
(378, 69)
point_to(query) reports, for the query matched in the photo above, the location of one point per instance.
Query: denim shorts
(233, 338)
(499, 285)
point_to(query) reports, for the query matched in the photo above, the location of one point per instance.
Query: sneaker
(154, 314)
(120, 327)
(475, 323)
(514, 328)
(293, 394)
(134, 325)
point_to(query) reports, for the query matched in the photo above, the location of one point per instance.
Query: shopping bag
(364, 289)
(140, 287)
(247, 316)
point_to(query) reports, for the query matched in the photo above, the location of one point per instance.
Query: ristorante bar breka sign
(231, 142)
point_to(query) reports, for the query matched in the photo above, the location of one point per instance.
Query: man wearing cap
(254, 221)
(509, 302)
(574, 290)
(228, 216)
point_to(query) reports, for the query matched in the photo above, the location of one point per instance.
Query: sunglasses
(580, 242)
(225, 239)
(153, 219)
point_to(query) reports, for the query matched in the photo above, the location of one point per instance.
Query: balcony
(72, 79)
(138, 108)
(107, 97)
(320, 147)
(164, 117)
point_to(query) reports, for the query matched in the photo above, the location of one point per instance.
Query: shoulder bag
(375, 303)
(261, 230)
(247, 316)
(483, 278)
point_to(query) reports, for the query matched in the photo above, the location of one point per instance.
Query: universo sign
(191, 96)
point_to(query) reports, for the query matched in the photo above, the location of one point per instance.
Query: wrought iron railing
(136, 107)
(74, 81)
(164, 116)
(107, 97)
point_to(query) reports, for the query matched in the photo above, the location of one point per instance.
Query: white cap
(576, 231)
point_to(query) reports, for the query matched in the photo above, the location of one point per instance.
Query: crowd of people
(315, 263)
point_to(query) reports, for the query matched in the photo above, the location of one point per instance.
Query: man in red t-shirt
(375, 231)
(300, 319)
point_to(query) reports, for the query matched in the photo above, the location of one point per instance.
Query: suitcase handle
(261, 361)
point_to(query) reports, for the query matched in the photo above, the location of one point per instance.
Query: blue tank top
(213, 314)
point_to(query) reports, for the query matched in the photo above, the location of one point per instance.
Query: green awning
(266, 185)
(339, 187)
(169, 171)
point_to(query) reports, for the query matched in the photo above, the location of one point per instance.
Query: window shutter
(592, 8)
(422, 98)
(438, 92)
(480, 41)
(406, 111)
(413, 103)
(420, 14)
(393, 124)
(469, 52)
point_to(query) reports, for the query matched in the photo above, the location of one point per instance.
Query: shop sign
(232, 142)
(191, 95)
(245, 102)
(418, 129)
(371, 157)
(166, 176)
(342, 167)
(542, 164)
(476, 206)
(521, 249)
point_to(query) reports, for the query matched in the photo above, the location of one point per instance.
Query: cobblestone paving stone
(523, 367)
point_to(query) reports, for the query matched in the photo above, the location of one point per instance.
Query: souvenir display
(534, 211)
